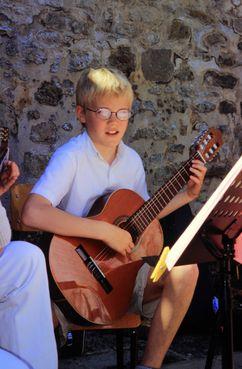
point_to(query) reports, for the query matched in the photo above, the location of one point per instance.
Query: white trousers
(26, 327)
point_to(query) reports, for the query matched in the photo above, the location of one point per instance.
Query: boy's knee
(190, 274)
(28, 254)
(185, 275)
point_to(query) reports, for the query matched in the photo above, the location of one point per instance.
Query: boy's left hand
(195, 182)
(8, 176)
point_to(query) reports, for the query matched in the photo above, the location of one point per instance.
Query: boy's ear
(80, 114)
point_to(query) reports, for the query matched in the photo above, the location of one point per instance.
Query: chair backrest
(19, 193)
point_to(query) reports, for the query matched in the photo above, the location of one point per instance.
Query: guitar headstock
(4, 150)
(4, 135)
(208, 144)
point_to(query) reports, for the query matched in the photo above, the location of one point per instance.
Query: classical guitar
(95, 282)
(4, 150)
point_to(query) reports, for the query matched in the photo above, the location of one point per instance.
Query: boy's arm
(39, 213)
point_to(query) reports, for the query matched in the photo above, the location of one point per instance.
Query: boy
(97, 162)
(26, 327)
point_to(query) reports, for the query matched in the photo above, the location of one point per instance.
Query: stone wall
(183, 59)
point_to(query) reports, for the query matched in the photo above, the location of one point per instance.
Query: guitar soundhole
(121, 221)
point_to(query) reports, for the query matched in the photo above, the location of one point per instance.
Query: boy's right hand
(8, 177)
(117, 238)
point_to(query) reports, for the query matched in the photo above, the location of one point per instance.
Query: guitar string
(162, 198)
(152, 204)
(137, 218)
(106, 251)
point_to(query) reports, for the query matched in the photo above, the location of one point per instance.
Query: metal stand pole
(224, 321)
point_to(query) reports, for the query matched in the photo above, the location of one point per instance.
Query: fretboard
(139, 221)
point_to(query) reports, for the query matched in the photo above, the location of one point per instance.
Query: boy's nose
(113, 117)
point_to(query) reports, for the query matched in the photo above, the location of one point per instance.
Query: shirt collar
(92, 150)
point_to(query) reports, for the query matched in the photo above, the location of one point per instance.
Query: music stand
(218, 224)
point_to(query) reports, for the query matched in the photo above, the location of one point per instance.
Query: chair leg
(120, 349)
(133, 348)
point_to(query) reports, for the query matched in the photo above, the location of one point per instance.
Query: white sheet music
(187, 236)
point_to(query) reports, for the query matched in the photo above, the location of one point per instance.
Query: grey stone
(222, 80)
(150, 133)
(68, 87)
(177, 148)
(11, 48)
(155, 90)
(184, 73)
(148, 105)
(49, 38)
(217, 170)
(33, 114)
(205, 107)
(53, 3)
(179, 30)
(203, 17)
(226, 60)
(239, 45)
(67, 127)
(34, 164)
(44, 133)
(180, 106)
(48, 94)
(150, 39)
(227, 107)
(54, 68)
(33, 54)
(22, 13)
(79, 61)
(155, 158)
(9, 117)
(80, 27)
(122, 58)
(215, 38)
(6, 26)
(157, 65)
(237, 25)
(107, 20)
(55, 20)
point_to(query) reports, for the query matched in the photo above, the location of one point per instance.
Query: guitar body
(75, 281)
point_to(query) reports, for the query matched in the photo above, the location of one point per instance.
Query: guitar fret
(152, 207)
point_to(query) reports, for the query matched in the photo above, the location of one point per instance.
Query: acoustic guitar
(4, 150)
(96, 282)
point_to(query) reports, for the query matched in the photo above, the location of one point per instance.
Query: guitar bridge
(94, 269)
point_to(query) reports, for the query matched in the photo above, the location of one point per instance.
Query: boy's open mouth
(112, 133)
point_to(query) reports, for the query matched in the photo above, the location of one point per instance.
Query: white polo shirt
(77, 175)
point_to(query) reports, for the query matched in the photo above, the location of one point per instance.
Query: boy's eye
(123, 114)
(104, 113)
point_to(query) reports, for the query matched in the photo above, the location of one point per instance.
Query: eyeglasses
(105, 113)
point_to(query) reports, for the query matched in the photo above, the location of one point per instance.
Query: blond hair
(101, 81)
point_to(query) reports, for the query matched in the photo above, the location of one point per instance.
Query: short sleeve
(140, 181)
(57, 179)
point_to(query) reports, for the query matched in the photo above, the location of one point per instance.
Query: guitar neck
(4, 150)
(139, 221)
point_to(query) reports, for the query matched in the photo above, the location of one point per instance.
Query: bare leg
(176, 293)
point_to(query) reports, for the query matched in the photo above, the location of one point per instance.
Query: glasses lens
(104, 113)
(123, 114)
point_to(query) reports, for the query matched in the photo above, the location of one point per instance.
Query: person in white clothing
(26, 327)
(95, 163)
